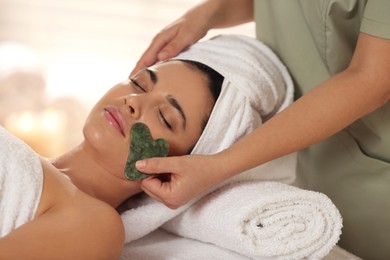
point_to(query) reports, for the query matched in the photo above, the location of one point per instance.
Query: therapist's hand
(174, 38)
(189, 176)
(193, 26)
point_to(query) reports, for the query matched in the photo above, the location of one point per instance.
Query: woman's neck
(90, 177)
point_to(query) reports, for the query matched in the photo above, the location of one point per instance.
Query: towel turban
(256, 86)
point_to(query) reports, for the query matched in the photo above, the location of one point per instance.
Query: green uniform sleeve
(376, 18)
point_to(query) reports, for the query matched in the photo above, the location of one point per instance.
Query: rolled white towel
(263, 219)
(144, 214)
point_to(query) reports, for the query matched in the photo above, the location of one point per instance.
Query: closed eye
(137, 85)
(165, 120)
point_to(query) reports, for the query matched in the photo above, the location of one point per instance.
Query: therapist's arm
(193, 26)
(328, 108)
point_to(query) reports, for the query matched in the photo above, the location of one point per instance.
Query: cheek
(182, 145)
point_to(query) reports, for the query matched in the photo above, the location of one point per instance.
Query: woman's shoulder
(90, 224)
(96, 224)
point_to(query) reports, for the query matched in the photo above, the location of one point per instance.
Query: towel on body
(21, 182)
(256, 86)
(263, 219)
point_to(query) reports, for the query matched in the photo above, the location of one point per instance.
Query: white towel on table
(256, 86)
(21, 182)
(163, 245)
(263, 219)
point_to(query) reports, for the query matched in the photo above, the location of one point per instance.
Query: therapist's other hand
(189, 176)
(174, 38)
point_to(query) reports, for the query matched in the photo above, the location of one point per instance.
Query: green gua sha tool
(142, 146)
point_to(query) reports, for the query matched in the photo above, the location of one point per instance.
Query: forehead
(174, 65)
(180, 77)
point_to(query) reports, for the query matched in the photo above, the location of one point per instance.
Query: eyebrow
(177, 106)
(171, 100)
(152, 75)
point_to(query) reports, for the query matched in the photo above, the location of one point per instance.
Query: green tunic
(316, 39)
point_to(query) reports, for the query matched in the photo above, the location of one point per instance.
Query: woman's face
(171, 98)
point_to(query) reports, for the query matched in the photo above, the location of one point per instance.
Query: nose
(133, 103)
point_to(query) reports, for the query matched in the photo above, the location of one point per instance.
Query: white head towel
(256, 86)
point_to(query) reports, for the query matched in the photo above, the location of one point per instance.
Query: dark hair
(215, 79)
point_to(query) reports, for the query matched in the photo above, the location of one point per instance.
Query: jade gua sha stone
(142, 146)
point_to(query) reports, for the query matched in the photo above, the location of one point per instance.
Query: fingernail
(163, 55)
(140, 164)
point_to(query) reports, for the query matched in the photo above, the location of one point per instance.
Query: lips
(114, 118)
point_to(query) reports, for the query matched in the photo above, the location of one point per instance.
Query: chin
(111, 152)
(95, 136)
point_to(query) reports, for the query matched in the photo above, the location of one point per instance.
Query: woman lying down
(66, 207)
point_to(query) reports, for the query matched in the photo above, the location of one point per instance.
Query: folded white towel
(21, 182)
(256, 86)
(263, 219)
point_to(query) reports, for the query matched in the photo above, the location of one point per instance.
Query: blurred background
(58, 57)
